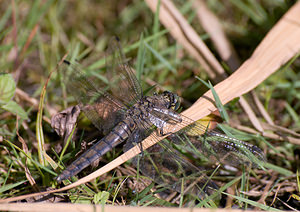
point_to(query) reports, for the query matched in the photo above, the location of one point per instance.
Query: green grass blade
(160, 58)
(140, 59)
(8, 187)
(253, 203)
(218, 102)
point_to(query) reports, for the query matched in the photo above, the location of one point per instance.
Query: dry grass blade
(35, 103)
(261, 109)
(250, 113)
(213, 27)
(187, 37)
(25, 149)
(277, 128)
(88, 207)
(29, 39)
(273, 136)
(279, 45)
(39, 126)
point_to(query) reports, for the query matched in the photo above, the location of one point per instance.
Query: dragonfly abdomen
(115, 137)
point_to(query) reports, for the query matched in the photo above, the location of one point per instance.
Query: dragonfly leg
(136, 138)
(161, 132)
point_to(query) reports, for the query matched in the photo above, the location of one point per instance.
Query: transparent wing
(169, 168)
(219, 147)
(122, 81)
(177, 163)
(92, 95)
(104, 100)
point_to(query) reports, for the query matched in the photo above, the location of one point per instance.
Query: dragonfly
(116, 105)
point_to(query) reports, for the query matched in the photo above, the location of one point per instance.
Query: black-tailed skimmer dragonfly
(117, 106)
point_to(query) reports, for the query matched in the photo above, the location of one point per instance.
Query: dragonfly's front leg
(136, 138)
(165, 128)
(165, 119)
(160, 132)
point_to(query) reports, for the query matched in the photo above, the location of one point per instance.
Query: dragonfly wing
(171, 170)
(92, 96)
(177, 162)
(168, 167)
(122, 81)
(217, 146)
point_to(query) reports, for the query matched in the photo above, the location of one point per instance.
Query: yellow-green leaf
(14, 108)
(7, 88)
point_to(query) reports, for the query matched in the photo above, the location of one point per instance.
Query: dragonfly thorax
(165, 100)
(148, 104)
(157, 110)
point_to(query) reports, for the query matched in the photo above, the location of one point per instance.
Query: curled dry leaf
(64, 121)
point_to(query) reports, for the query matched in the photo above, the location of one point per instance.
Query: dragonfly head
(172, 99)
